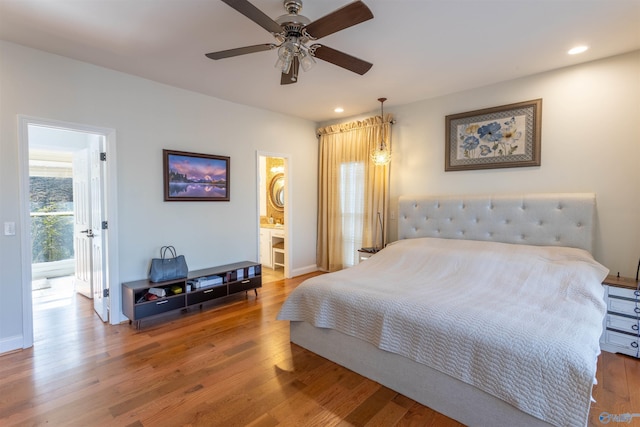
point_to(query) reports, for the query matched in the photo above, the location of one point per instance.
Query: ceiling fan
(294, 32)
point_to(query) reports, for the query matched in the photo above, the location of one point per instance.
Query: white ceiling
(420, 48)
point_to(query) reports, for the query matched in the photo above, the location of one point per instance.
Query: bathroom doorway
(273, 206)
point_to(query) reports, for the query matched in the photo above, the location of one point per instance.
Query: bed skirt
(427, 386)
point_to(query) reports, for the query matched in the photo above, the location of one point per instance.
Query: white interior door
(108, 245)
(98, 229)
(82, 223)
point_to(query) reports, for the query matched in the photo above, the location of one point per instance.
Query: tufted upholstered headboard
(531, 219)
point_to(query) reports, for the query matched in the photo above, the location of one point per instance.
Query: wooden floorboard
(230, 364)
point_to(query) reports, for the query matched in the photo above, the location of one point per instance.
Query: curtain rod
(318, 134)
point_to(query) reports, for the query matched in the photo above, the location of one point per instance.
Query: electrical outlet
(9, 228)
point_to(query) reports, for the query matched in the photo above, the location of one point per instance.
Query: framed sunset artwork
(195, 177)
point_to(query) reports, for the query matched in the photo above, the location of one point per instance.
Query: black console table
(198, 287)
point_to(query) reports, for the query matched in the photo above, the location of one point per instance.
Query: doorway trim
(288, 218)
(111, 267)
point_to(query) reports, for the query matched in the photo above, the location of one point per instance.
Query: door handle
(88, 232)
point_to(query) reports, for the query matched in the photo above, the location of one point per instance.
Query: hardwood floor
(230, 364)
(271, 275)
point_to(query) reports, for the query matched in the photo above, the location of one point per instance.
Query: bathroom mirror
(276, 192)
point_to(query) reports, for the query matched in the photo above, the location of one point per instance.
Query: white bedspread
(521, 323)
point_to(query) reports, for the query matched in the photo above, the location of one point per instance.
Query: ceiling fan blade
(292, 76)
(345, 17)
(341, 59)
(240, 51)
(255, 14)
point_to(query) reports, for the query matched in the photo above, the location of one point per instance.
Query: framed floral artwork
(500, 137)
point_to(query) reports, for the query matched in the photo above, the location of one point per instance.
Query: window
(51, 189)
(351, 209)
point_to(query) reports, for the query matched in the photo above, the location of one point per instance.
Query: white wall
(148, 117)
(590, 143)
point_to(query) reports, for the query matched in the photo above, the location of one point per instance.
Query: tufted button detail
(510, 219)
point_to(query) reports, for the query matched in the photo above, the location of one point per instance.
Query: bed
(488, 309)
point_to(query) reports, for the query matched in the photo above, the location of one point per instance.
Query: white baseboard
(11, 344)
(304, 270)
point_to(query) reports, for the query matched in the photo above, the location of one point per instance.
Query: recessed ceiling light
(339, 110)
(578, 49)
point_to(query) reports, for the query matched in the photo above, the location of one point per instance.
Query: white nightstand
(622, 321)
(363, 254)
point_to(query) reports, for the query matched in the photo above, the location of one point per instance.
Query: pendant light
(381, 155)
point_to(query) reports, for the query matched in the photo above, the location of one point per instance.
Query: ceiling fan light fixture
(286, 53)
(283, 65)
(306, 60)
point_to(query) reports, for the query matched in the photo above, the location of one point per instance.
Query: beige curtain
(351, 190)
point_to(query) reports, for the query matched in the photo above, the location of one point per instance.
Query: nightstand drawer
(623, 306)
(623, 343)
(623, 292)
(623, 324)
